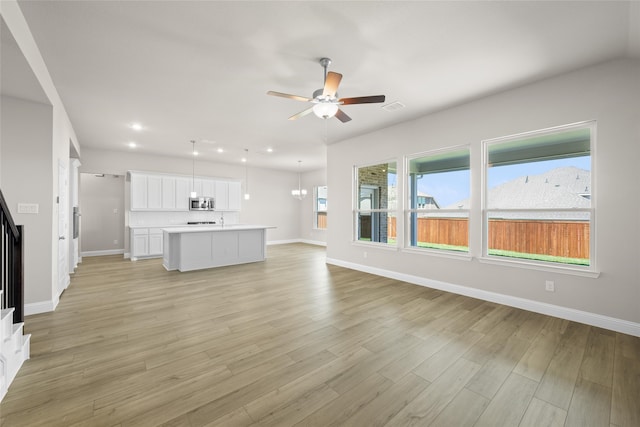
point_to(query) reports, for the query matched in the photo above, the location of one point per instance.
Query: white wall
(102, 208)
(608, 93)
(308, 233)
(270, 203)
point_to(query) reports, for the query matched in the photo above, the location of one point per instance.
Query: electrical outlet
(364, 254)
(550, 286)
(115, 242)
(115, 210)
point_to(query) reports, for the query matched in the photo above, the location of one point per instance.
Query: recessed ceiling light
(136, 126)
(269, 150)
(220, 150)
(132, 144)
(195, 153)
(244, 159)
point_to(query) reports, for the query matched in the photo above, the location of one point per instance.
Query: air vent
(394, 106)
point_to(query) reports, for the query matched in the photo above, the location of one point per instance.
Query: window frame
(316, 210)
(589, 271)
(357, 211)
(408, 211)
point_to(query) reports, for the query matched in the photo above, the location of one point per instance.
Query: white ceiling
(200, 70)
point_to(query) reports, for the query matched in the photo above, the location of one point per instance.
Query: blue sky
(451, 187)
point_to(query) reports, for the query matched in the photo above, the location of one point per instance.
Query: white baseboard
(100, 253)
(282, 242)
(40, 307)
(593, 319)
(285, 242)
(314, 242)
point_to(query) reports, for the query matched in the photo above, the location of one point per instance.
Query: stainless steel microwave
(201, 204)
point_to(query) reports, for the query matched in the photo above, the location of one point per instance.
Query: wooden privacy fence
(547, 237)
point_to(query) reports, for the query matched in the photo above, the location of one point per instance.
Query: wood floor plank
(294, 340)
(625, 406)
(597, 362)
(540, 413)
(336, 412)
(427, 405)
(510, 403)
(384, 407)
(435, 365)
(558, 382)
(536, 359)
(463, 410)
(590, 405)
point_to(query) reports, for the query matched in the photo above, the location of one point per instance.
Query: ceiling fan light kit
(325, 100)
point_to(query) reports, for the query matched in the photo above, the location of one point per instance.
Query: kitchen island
(198, 247)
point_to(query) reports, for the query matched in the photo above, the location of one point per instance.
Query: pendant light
(246, 175)
(193, 170)
(299, 193)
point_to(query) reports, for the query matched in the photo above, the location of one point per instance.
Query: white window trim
(355, 198)
(446, 253)
(586, 271)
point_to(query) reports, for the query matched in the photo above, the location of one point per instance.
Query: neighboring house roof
(560, 188)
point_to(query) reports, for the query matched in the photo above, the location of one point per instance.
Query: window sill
(383, 246)
(465, 256)
(563, 269)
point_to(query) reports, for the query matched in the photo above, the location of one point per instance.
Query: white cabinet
(155, 241)
(222, 195)
(139, 243)
(138, 192)
(158, 192)
(208, 188)
(169, 193)
(183, 190)
(154, 192)
(146, 243)
(228, 195)
(235, 195)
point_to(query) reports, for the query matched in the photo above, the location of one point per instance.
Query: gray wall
(608, 93)
(102, 229)
(27, 178)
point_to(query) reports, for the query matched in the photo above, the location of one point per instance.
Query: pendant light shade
(299, 193)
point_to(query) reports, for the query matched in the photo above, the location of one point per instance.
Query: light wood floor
(292, 341)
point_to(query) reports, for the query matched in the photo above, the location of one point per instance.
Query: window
(320, 207)
(438, 200)
(538, 197)
(375, 203)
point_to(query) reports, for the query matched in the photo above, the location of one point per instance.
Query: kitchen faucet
(222, 219)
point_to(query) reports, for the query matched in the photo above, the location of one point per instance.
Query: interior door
(63, 227)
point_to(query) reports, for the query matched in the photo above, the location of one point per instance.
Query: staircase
(14, 348)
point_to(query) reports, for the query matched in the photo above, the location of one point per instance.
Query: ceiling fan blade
(331, 84)
(362, 100)
(286, 95)
(301, 114)
(340, 115)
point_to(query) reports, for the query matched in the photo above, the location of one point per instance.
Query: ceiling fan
(326, 103)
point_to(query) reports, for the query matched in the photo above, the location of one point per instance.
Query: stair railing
(11, 263)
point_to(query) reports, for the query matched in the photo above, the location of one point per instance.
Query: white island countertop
(196, 247)
(214, 227)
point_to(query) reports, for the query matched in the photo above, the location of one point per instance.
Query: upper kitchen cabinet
(228, 195)
(156, 193)
(159, 192)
